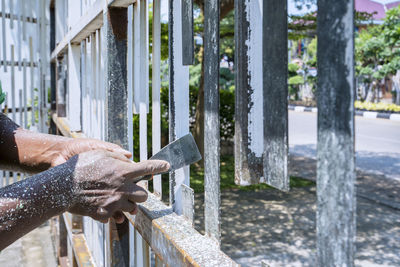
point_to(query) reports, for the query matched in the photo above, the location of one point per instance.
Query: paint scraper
(179, 153)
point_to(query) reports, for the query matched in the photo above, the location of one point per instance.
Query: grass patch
(227, 179)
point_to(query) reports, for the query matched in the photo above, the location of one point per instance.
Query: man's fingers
(118, 156)
(134, 193)
(119, 217)
(148, 167)
(127, 205)
(117, 149)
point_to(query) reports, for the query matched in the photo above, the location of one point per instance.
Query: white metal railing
(83, 47)
(24, 67)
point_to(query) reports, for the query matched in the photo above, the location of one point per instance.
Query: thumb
(58, 161)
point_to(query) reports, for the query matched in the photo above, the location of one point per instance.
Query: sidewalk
(279, 227)
(34, 249)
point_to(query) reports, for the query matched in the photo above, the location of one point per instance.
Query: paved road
(377, 142)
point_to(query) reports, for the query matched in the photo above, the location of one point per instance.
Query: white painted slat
(93, 84)
(74, 87)
(249, 135)
(19, 33)
(20, 113)
(12, 83)
(156, 86)
(3, 31)
(136, 57)
(32, 85)
(24, 88)
(179, 100)
(130, 79)
(98, 86)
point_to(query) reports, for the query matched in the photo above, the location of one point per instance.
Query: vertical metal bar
(23, 15)
(144, 103)
(12, 84)
(156, 87)
(25, 125)
(212, 198)
(21, 115)
(61, 87)
(275, 94)
(187, 32)
(178, 99)
(83, 86)
(19, 34)
(144, 81)
(336, 209)
(32, 79)
(3, 30)
(249, 125)
(11, 6)
(115, 25)
(99, 87)
(7, 177)
(93, 97)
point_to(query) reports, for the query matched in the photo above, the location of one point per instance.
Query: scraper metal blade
(179, 153)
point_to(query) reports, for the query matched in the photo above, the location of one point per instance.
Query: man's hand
(73, 146)
(103, 184)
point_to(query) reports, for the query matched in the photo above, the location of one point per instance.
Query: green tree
(377, 53)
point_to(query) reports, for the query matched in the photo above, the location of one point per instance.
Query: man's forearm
(27, 204)
(24, 150)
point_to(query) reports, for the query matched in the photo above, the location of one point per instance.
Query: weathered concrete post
(335, 167)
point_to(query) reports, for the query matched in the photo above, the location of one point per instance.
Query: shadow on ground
(279, 227)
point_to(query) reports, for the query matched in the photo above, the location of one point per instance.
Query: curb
(365, 114)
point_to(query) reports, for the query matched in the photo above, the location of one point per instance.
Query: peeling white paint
(255, 72)
(181, 97)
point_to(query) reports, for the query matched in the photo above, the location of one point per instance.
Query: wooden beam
(336, 198)
(173, 239)
(82, 253)
(120, 3)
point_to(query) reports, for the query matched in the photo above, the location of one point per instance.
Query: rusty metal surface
(173, 239)
(336, 217)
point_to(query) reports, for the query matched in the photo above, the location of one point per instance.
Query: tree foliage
(377, 49)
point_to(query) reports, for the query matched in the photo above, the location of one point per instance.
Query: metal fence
(23, 67)
(100, 76)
